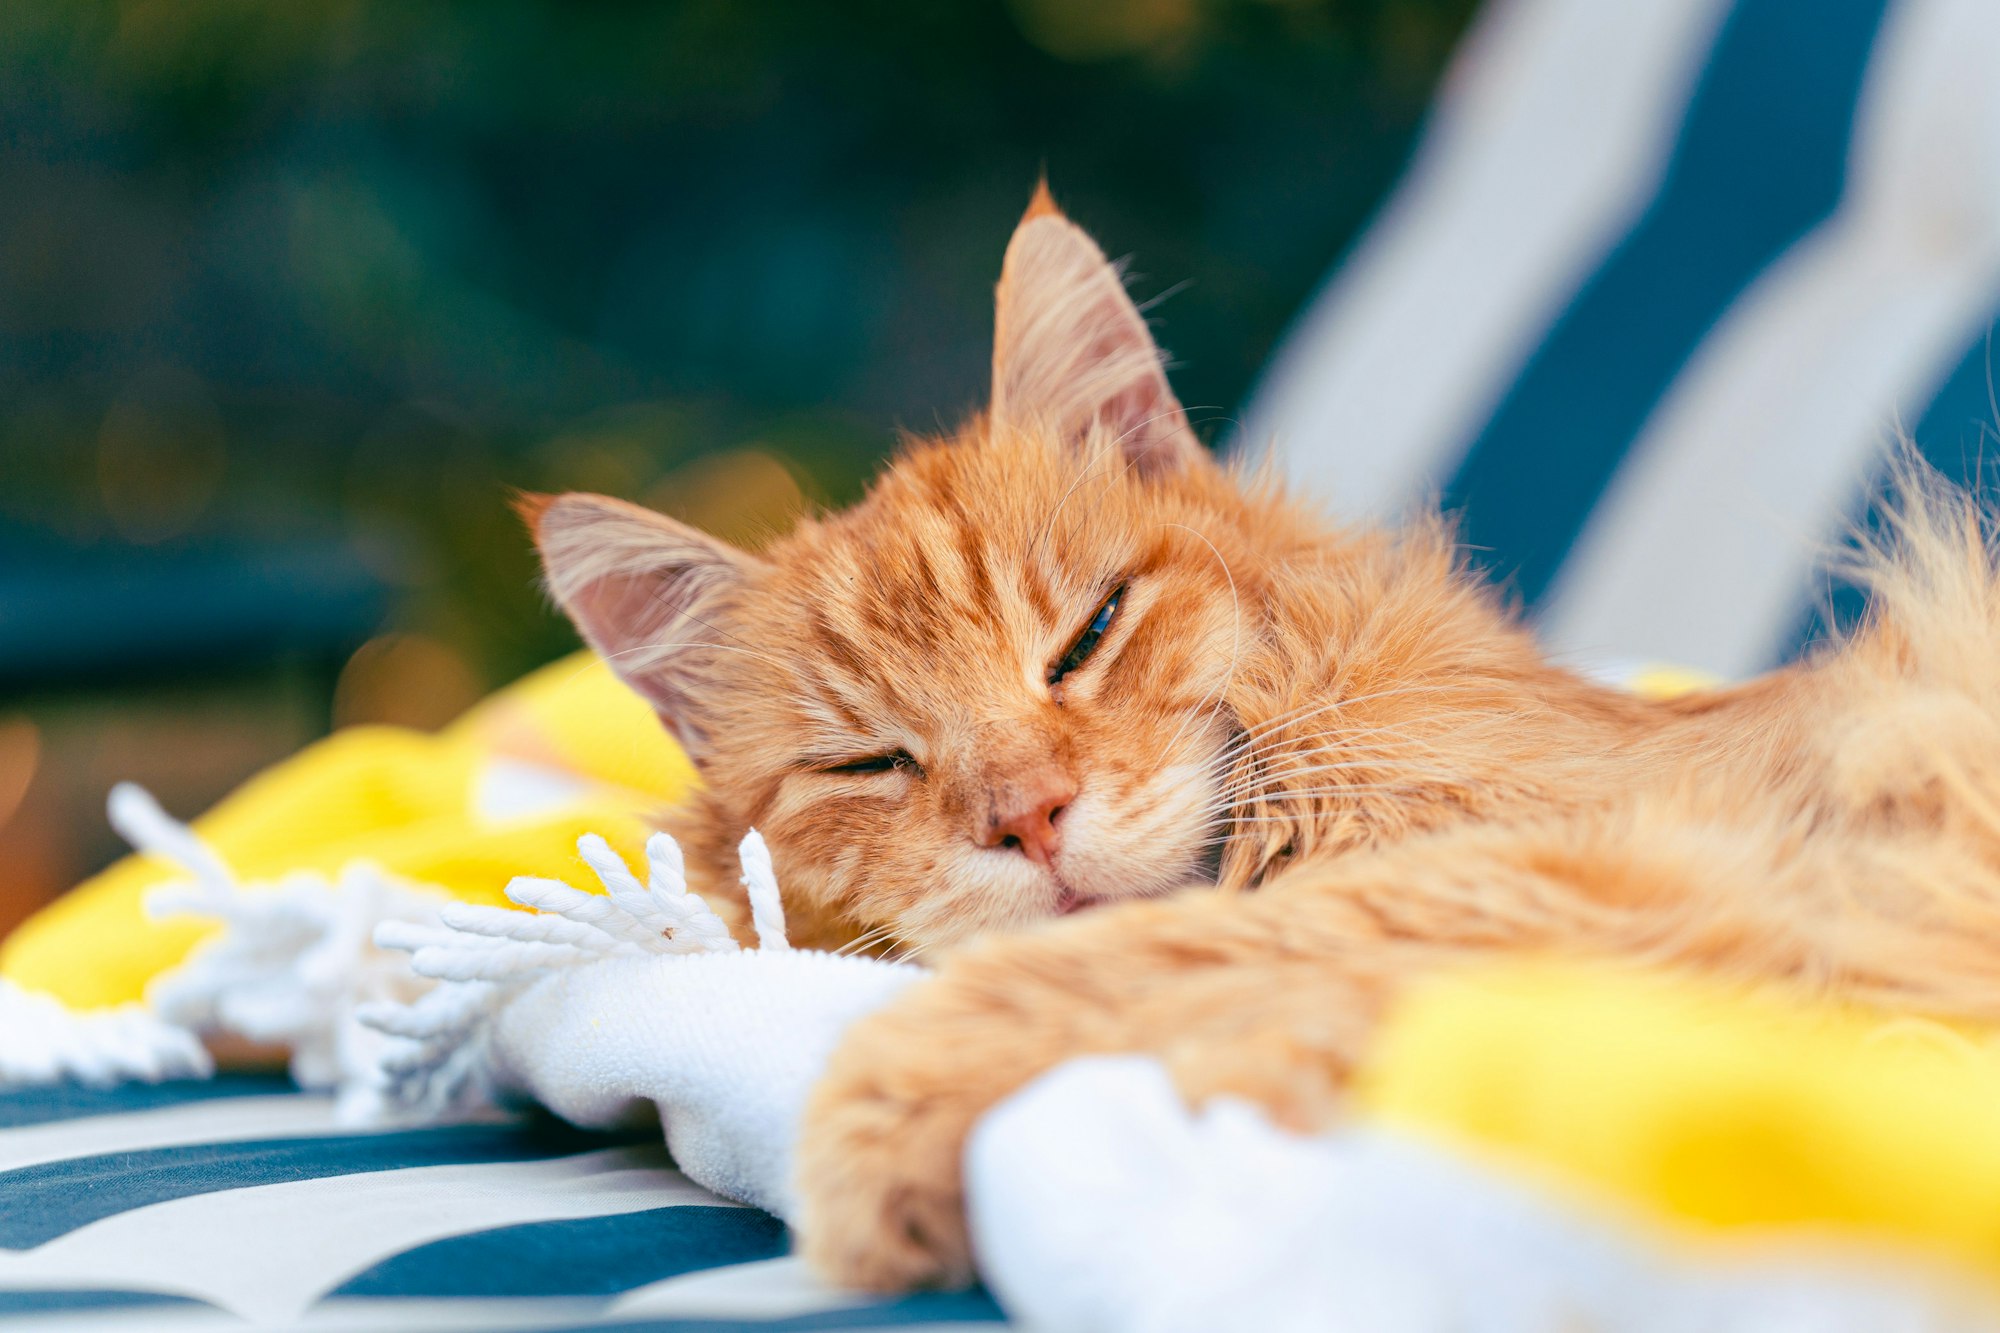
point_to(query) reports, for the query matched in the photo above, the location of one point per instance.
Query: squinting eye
(1087, 641)
(875, 763)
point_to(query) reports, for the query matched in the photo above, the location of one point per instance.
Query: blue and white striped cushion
(1663, 281)
(202, 1205)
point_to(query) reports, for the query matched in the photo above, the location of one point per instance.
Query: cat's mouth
(1069, 902)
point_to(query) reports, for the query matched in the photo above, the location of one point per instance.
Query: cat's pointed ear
(1070, 348)
(649, 594)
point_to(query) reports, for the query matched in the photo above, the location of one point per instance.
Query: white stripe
(1551, 138)
(266, 1252)
(768, 1289)
(1702, 547)
(222, 1120)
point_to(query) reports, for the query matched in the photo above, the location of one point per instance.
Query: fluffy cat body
(1067, 660)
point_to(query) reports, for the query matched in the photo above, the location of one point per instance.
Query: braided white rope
(294, 960)
(288, 968)
(760, 878)
(42, 1041)
(482, 958)
(381, 989)
(139, 820)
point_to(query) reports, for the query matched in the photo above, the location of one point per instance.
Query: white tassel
(692, 927)
(314, 966)
(484, 957)
(43, 1041)
(139, 820)
(767, 911)
(502, 923)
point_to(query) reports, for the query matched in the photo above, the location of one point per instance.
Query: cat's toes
(881, 1203)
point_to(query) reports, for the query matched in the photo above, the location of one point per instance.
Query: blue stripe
(591, 1256)
(73, 1101)
(930, 1307)
(44, 1302)
(1955, 435)
(1957, 430)
(39, 1203)
(1760, 160)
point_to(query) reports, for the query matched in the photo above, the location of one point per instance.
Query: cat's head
(994, 690)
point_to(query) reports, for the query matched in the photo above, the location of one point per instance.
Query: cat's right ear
(1070, 348)
(648, 593)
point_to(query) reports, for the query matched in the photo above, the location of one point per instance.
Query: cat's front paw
(879, 1168)
(878, 1178)
(881, 1198)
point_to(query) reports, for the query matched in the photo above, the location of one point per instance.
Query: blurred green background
(292, 295)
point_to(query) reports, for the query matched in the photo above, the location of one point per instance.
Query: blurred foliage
(353, 270)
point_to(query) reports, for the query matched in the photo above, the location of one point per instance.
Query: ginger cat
(1066, 660)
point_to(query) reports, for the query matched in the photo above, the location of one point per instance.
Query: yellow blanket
(447, 810)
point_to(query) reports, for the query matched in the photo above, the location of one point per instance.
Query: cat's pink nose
(1026, 819)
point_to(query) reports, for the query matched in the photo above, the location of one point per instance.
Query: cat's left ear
(1070, 349)
(651, 595)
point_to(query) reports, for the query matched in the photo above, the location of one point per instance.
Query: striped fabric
(204, 1205)
(1664, 281)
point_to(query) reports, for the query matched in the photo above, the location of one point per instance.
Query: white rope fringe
(294, 961)
(300, 961)
(767, 912)
(483, 958)
(43, 1042)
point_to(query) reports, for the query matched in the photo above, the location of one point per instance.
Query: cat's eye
(1092, 635)
(875, 763)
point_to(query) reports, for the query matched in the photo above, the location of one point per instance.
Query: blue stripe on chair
(930, 1307)
(1955, 435)
(71, 1101)
(592, 1256)
(53, 1198)
(15, 1303)
(1957, 431)
(1760, 160)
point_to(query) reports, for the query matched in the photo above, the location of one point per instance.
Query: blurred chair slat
(1696, 342)
(70, 617)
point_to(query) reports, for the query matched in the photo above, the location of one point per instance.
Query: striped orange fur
(1345, 720)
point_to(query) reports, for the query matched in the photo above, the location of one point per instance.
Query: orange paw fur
(880, 1186)
(879, 1166)
(882, 1205)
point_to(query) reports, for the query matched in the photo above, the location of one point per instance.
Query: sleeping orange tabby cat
(1065, 660)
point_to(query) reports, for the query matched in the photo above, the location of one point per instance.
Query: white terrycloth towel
(727, 1045)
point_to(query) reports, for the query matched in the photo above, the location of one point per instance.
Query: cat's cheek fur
(1144, 837)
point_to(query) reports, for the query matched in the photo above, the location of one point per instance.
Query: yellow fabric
(1662, 681)
(1716, 1109)
(398, 798)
